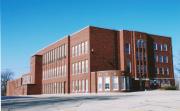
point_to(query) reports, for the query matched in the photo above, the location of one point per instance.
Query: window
(128, 67)
(99, 83)
(62, 51)
(86, 47)
(79, 49)
(166, 70)
(57, 52)
(161, 59)
(76, 50)
(73, 51)
(86, 70)
(65, 47)
(107, 83)
(82, 66)
(161, 70)
(65, 70)
(76, 89)
(86, 85)
(127, 48)
(82, 47)
(155, 46)
(156, 70)
(156, 58)
(140, 43)
(72, 86)
(115, 83)
(76, 70)
(62, 70)
(73, 69)
(82, 85)
(165, 59)
(163, 47)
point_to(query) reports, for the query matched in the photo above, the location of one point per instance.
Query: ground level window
(99, 83)
(115, 83)
(107, 83)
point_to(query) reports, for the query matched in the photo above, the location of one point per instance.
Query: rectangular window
(62, 70)
(99, 83)
(165, 59)
(107, 83)
(60, 52)
(86, 85)
(65, 70)
(165, 47)
(82, 66)
(79, 66)
(82, 85)
(161, 59)
(72, 86)
(73, 69)
(86, 70)
(155, 46)
(76, 70)
(127, 48)
(73, 51)
(156, 58)
(115, 83)
(82, 47)
(166, 71)
(76, 50)
(79, 85)
(79, 49)
(86, 47)
(76, 89)
(161, 70)
(65, 47)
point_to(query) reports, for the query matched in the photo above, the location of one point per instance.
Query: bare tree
(6, 75)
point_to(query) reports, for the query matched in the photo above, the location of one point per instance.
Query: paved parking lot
(132, 101)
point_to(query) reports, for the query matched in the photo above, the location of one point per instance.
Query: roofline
(148, 33)
(60, 40)
(74, 33)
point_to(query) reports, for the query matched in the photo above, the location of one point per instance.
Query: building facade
(99, 60)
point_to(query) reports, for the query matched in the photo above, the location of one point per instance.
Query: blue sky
(29, 25)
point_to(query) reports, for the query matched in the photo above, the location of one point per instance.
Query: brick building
(98, 60)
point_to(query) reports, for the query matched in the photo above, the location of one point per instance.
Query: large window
(165, 59)
(155, 46)
(115, 83)
(161, 59)
(128, 67)
(86, 85)
(82, 47)
(99, 83)
(79, 49)
(73, 51)
(86, 46)
(156, 58)
(82, 66)
(127, 48)
(163, 47)
(107, 83)
(161, 70)
(86, 70)
(82, 85)
(140, 43)
(156, 70)
(166, 70)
